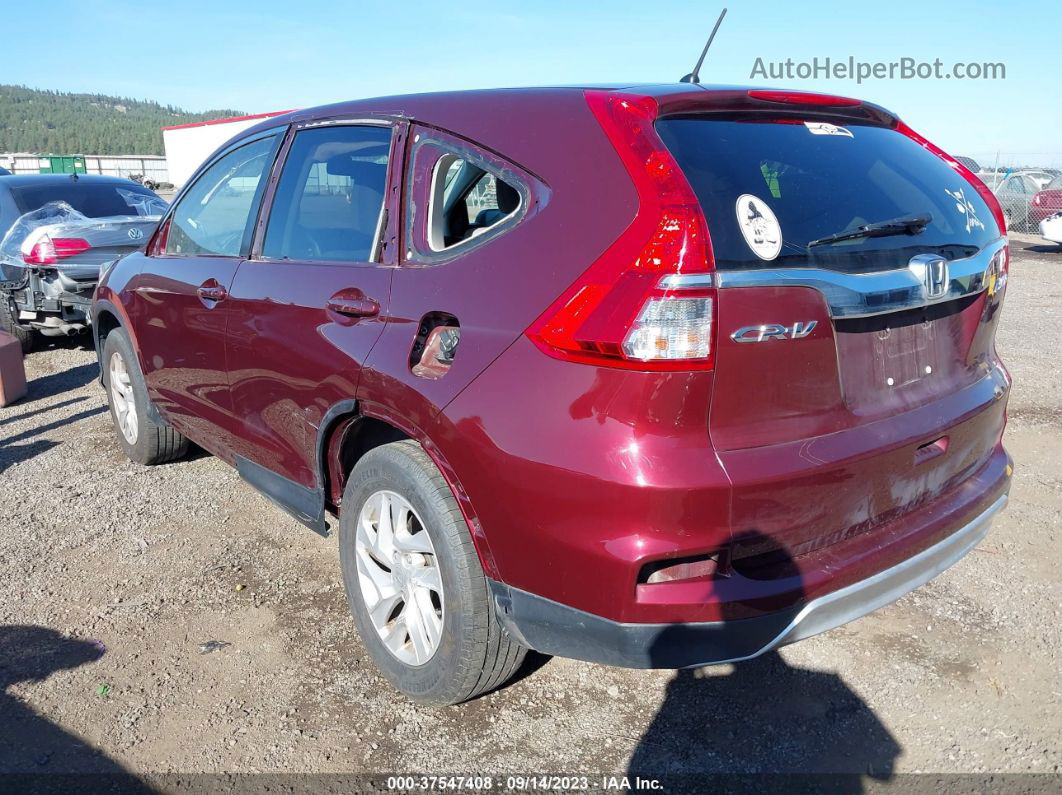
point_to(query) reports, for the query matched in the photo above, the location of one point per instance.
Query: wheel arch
(106, 317)
(350, 429)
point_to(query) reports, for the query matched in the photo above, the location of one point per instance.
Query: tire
(145, 441)
(472, 654)
(9, 323)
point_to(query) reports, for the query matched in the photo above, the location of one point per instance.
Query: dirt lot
(116, 576)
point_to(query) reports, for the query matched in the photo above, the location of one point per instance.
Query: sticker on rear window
(759, 226)
(965, 206)
(822, 128)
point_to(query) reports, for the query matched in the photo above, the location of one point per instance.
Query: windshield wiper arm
(904, 225)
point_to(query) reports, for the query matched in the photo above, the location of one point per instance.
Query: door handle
(212, 291)
(353, 303)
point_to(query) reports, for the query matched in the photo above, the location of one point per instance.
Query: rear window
(768, 188)
(93, 200)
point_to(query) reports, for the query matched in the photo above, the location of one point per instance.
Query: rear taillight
(985, 192)
(49, 250)
(647, 302)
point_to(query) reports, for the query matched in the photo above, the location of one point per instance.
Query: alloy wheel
(122, 398)
(399, 577)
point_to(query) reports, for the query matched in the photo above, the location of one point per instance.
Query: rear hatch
(856, 377)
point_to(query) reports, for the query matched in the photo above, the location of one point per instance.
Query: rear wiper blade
(904, 225)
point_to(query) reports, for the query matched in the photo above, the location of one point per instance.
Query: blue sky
(267, 55)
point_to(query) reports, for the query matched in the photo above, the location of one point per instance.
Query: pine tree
(56, 122)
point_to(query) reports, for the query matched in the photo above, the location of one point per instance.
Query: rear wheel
(414, 583)
(144, 440)
(9, 323)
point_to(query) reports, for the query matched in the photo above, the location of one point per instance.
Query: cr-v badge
(773, 331)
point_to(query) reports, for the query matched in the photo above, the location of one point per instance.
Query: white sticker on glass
(822, 128)
(759, 226)
(966, 208)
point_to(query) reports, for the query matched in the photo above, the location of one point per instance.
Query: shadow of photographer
(762, 722)
(35, 753)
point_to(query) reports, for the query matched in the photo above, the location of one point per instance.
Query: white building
(188, 145)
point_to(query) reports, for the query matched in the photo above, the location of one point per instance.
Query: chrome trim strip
(863, 294)
(684, 281)
(857, 600)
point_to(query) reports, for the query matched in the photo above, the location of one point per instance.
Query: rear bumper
(553, 628)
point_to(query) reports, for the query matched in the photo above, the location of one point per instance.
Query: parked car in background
(1041, 178)
(1015, 193)
(1046, 202)
(1051, 228)
(55, 233)
(4, 172)
(691, 381)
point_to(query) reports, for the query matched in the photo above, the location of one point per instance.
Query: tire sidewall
(440, 678)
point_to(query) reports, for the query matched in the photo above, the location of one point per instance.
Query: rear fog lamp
(662, 571)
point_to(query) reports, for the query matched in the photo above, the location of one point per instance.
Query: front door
(309, 305)
(181, 298)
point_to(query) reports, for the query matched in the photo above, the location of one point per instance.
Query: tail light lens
(985, 192)
(48, 250)
(640, 305)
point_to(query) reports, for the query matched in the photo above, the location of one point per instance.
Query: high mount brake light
(803, 98)
(48, 250)
(984, 191)
(628, 309)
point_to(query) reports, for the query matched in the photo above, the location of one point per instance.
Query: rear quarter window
(817, 184)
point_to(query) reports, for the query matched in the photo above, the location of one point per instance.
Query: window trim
(248, 233)
(266, 210)
(437, 193)
(418, 249)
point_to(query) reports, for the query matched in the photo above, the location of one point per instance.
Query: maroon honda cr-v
(656, 376)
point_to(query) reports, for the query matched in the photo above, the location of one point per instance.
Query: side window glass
(466, 201)
(329, 200)
(213, 217)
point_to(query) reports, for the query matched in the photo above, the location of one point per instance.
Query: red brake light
(625, 311)
(985, 192)
(803, 98)
(48, 250)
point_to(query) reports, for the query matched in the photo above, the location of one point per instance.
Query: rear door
(309, 305)
(181, 296)
(856, 379)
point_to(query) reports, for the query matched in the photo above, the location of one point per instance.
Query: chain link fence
(1027, 184)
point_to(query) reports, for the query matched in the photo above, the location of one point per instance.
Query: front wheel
(414, 583)
(144, 440)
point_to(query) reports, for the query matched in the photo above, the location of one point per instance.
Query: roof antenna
(694, 76)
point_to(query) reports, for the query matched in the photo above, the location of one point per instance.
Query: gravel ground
(171, 620)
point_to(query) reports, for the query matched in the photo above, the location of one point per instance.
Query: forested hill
(53, 122)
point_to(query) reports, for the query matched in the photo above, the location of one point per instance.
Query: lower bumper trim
(552, 628)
